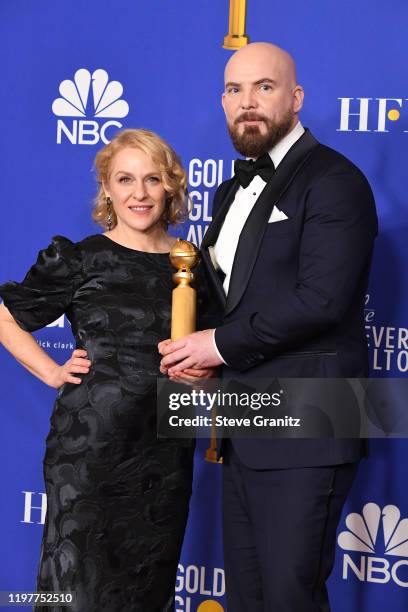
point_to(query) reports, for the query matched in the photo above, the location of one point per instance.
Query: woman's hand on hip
(78, 363)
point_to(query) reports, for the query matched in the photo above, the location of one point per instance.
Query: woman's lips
(142, 208)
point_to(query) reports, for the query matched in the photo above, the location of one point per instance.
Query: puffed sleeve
(46, 291)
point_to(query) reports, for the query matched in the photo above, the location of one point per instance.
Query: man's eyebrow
(265, 80)
(258, 82)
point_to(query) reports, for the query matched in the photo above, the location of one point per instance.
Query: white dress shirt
(223, 253)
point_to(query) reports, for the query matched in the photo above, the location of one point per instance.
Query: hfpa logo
(74, 103)
(369, 114)
(35, 507)
(376, 532)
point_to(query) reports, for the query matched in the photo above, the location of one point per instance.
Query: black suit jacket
(296, 297)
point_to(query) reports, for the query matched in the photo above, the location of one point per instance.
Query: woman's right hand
(76, 364)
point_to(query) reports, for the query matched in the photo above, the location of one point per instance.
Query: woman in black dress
(117, 497)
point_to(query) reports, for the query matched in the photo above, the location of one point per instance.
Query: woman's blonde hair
(166, 159)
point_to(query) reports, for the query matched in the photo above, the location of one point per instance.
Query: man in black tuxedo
(289, 253)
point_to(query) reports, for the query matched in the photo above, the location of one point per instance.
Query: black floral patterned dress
(117, 496)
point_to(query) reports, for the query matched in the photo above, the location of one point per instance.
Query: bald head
(261, 98)
(264, 57)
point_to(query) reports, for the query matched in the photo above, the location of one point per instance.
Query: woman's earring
(109, 217)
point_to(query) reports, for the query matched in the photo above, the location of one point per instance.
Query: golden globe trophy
(236, 37)
(184, 255)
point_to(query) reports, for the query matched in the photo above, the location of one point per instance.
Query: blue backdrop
(159, 65)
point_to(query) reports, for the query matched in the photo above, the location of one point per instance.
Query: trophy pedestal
(183, 310)
(211, 455)
(233, 42)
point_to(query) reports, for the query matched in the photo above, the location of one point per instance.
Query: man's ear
(298, 97)
(223, 101)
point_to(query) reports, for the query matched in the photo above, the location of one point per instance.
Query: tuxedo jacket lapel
(211, 236)
(256, 224)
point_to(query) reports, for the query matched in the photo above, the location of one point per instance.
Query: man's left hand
(193, 351)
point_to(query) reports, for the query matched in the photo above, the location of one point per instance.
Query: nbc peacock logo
(88, 94)
(378, 540)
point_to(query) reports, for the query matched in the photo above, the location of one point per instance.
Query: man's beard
(252, 143)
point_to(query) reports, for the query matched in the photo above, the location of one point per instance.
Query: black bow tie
(245, 170)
